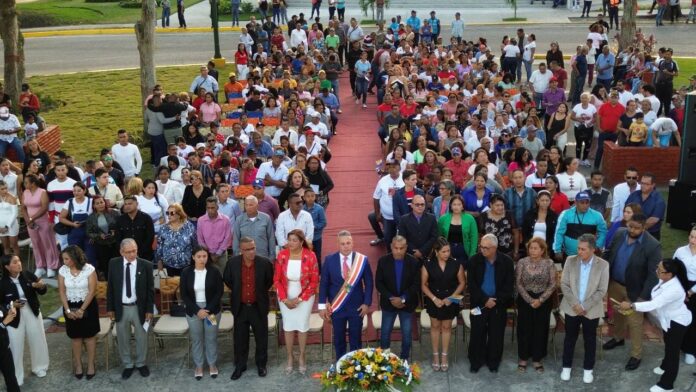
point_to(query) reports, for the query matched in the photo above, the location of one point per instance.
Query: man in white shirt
(539, 83)
(284, 130)
(382, 201)
(624, 96)
(9, 126)
(647, 91)
(294, 218)
(621, 192)
(274, 173)
(318, 127)
(59, 191)
(127, 155)
(298, 37)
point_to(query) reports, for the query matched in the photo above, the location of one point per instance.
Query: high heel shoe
(436, 366)
(444, 366)
(90, 376)
(198, 374)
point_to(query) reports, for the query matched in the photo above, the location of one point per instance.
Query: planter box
(663, 162)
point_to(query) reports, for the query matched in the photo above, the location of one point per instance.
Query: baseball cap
(258, 183)
(278, 153)
(232, 74)
(553, 79)
(309, 132)
(582, 196)
(200, 145)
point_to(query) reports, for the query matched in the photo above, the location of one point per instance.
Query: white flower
(370, 353)
(357, 368)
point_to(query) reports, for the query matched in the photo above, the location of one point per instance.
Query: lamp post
(217, 57)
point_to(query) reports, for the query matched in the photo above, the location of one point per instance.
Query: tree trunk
(145, 35)
(9, 32)
(21, 72)
(628, 24)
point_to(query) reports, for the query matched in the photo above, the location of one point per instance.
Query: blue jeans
(605, 82)
(660, 14)
(528, 69)
(16, 145)
(361, 89)
(603, 136)
(388, 319)
(538, 97)
(334, 86)
(165, 16)
(235, 14)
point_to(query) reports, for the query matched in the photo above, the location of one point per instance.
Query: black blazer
(213, 290)
(421, 235)
(8, 292)
(264, 281)
(385, 281)
(144, 288)
(530, 220)
(504, 280)
(640, 272)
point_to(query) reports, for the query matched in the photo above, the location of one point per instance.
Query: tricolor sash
(353, 277)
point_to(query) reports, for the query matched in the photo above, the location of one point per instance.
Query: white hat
(200, 145)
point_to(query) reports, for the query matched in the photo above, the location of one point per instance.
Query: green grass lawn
(49, 301)
(687, 68)
(76, 12)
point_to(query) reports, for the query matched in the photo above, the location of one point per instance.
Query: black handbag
(60, 228)
(177, 310)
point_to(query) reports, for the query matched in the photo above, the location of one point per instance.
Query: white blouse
(199, 284)
(76, 287)
(689, 259)
(667, 304)
(154, 208)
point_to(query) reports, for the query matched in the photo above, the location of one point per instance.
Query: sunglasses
(170, 213)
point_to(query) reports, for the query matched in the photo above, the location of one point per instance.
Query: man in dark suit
(419, 228)
(249, 278)
(136, 225)
(343, 302)
(130, 298)
(633, 257)
(6, 362)
(491, 279)
(398, 281)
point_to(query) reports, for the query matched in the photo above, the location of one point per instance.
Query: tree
(14, 52)
(145, 35)
(628, 24)
(513, 4)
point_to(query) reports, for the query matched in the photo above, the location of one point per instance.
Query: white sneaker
(587, 377)
(656, 388)
(357, 101)
(51, 273)
(565, 374)
(658, 370)
(689, 359)
(364, 106)
(40, 374)
(40, 272)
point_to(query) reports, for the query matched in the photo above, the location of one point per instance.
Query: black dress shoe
(237, 373)
(144, 371)
(263, 372)
(474, 369)
(79, 376)
(90, 376)
(633, 363)
(613, 343)
(493, 369)
(126, 373)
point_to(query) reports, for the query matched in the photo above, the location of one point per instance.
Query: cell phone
(22, 301)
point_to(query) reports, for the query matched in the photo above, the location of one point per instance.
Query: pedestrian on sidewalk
(166, 11)
(180, 9)
(235, 11)
(316, 6)
(614, 14)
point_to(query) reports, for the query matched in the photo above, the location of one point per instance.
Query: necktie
(129, 291)
(346, 269)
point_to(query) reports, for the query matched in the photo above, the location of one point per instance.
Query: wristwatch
(403, 300)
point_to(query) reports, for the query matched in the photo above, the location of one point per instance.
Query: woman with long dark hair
(101, 231)
(687, 254)
(77, 286)
(74, 215)
(540, 221)
(667, 305)
(460, 229)
(319, 180)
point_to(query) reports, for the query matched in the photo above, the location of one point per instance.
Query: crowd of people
(479, 203)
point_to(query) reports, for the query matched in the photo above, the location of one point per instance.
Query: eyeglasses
(211, 141)
(170, 213)
(485, 247)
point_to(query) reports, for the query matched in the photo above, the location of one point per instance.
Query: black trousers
(583, 135)
(670, 363)
(532, 329)
(689, 344)
(663, 92)
(6, 362)
(487, 335)
(589, 335)
(250, 317)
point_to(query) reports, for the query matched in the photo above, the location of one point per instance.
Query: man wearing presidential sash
(345, 293)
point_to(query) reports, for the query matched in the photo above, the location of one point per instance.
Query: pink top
(33, 202)
(215, 234)
(210, 111)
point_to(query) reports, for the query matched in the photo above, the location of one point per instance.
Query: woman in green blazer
(460, 229)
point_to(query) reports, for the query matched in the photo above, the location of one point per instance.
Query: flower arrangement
(371, 369)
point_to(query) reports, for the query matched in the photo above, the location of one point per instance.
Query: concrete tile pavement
(173, 374)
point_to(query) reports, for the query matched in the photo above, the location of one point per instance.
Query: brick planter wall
(663, 162)
(49, 140)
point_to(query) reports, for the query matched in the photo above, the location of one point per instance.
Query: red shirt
(609, 116)
(559, 203)
(408, 110)
(248, 283)
(562, 76)
(241, 58)
(460, 172)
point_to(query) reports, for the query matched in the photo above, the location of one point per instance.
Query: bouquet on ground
(371, 369)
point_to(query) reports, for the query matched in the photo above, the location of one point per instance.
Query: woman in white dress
(9, 225)
(296, 279)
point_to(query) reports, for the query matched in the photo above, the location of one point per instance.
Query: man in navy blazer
(401, 201)
(358, 299)
(398, 281)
